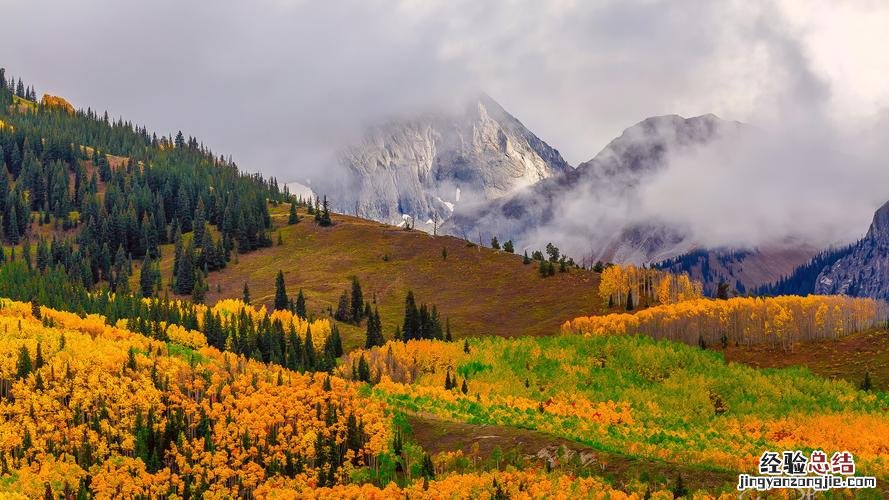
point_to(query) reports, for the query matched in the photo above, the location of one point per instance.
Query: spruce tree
(324, 218)
(23, 364)
(301, 304)
(363, 370)
(293, 218)
(147, 279)
(411, 325)
(336, 341)
(246, 294)
(343, 311)
(281, 300)
(357, 301)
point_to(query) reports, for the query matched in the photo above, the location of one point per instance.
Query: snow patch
(299, 189)
(446, 203)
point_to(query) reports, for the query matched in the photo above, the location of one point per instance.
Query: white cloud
(280, 84)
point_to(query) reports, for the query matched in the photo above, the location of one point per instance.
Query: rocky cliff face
(864, 271)
(428, 166)
(612, 178)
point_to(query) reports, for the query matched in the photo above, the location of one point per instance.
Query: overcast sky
(279, 83)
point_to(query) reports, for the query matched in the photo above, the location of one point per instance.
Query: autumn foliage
(651, 399)
(779, 320)
(98, 408)
(51, 101)
(621, 285)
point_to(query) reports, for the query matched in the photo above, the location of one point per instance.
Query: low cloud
(282, 85)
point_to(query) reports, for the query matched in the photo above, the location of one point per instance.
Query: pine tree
(301, 304)
(324, 218)
(23, 364)
(185, 271)
(200, 221)
(246, 295)
(495, 244)
(411, 325)
(357, 302)
(508, 247)
(198, 292)
(363, 370)
(526, 260)
(147, 277)
(343, 311)
(374, 330)
(281, 300)
(336, 341)
(294, 217)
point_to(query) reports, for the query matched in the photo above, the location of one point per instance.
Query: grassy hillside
(849, 358)
(634, 397)
(482, 291)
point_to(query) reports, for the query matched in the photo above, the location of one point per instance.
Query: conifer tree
(301, 305)
(147, 277)
(324, 219)
(293, 218)
(336, 341)
(411, 326)
(246, 294)
(23, 364)
(343, 310)
(357, 301)
(281, 300)
(363, 369)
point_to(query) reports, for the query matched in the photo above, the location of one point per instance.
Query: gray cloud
(281, 84)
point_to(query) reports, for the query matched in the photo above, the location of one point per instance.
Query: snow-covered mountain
(610, 181)
(429, 166)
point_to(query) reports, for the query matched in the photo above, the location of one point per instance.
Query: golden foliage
(742, 320)
(515, 484)
(51, 101)
(92, 387)
(622, 283)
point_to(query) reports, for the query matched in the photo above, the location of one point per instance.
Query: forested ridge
(118, 192)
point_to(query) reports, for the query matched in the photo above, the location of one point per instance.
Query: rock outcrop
(864, 271)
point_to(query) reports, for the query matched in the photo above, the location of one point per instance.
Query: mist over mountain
(428, 166)
(591, 211)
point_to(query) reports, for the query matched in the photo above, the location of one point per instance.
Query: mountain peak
(879, 228)
(423, 166)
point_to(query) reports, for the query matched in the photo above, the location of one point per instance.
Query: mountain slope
(426, 166)
(481, 291)
(742, 270)
(611, 179)
(864, 270)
